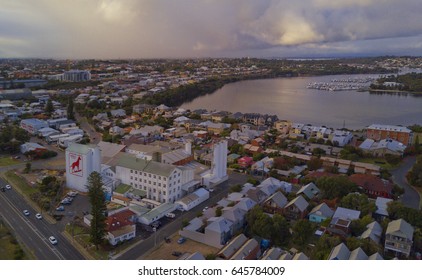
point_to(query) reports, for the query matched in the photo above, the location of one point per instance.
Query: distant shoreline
(392, 91)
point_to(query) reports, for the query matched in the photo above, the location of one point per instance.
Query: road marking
(31, 226)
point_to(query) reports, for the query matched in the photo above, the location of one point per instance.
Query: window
(131, 177)
(131, 171)
(159, 184)
(159, 177)
(154, 176)
(136, 172)
(164, 192)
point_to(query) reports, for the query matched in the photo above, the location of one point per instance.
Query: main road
(32, 232)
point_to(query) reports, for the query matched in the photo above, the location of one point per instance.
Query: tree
(314, 164)
(98, 208)
(302, 230)
(360, 202)
(27, 167)
(335, 187)
(280, 233)
(49, 108)
(70, 113)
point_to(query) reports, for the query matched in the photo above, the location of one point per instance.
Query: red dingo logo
(75, 167)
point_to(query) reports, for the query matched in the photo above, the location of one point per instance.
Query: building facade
(378, 132)
(81, 161)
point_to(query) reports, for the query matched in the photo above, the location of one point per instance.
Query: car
(170, 215)
(26, 212)
(60, 208)
(168, 240)
(52, 240)
(176, 253)
(156, 224)
(205, 209)
(211, 190)
(181, 240)
(38, 216)
(8, 187)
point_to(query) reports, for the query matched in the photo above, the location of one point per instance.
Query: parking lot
(173, 250)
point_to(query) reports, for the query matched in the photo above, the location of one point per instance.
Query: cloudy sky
(205, 28)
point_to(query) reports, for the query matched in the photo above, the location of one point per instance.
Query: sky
(111, 29)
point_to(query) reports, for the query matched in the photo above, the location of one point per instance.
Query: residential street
(410, 198)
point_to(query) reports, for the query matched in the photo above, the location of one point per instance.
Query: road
(410, 198)
(94, 136)
(32, 232)
(220, 191)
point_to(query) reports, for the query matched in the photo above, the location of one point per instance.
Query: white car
(26, 212)
(8, 187)
(38, 216)
(52, 240)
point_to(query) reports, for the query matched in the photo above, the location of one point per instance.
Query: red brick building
(373, 186)
(399, 133)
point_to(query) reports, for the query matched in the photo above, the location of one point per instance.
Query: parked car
(176, 253)
(181, 240)
(38, 216)
(52, 240)
(156, 224)
(170, 215)
(60, 208)
(26, 212)
(205, 209)
(8, 187)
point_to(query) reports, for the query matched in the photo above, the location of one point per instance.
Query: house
(273, 253)
(342, 218)
(119, 227)
(249, 251)
(296, 209)
(341, 137)
(399, 238)
(251, 149)
(373, 186)
(382, 204)
(358, 254)
(309, 190)
(235, 215)
(245, 204)
(119, 113)
(341, 252)
(245, 162)
(373, 232)
(232, 158)
(275, 203)
(383, 147)
(232, 247)
(277, 184)
(219, 229)
(320, 213)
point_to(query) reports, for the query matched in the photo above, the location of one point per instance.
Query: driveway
(410, 198)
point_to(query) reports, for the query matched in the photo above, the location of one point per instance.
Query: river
(290, 99)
